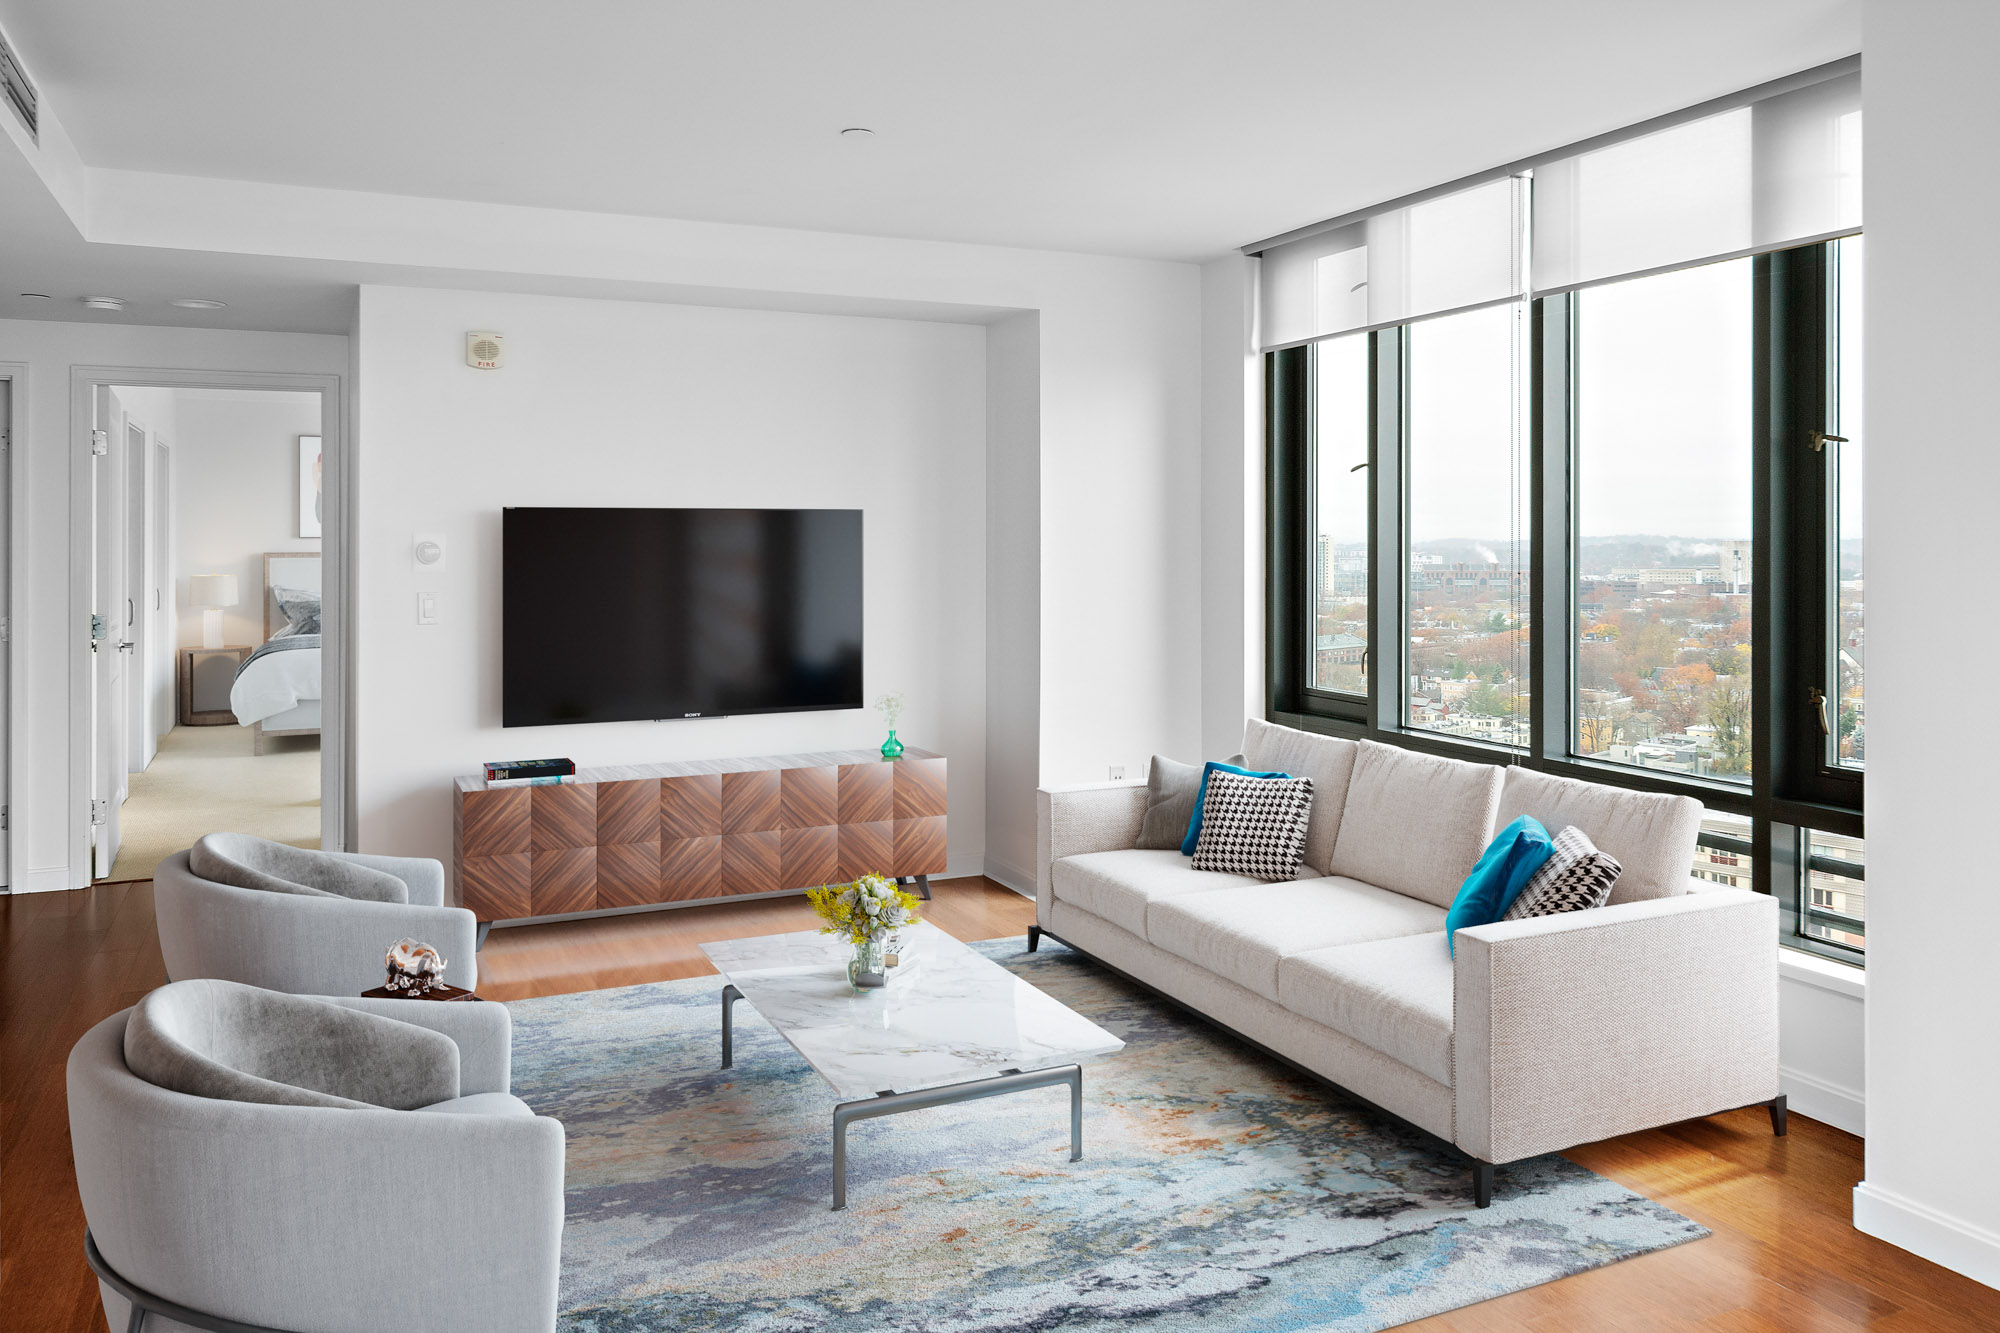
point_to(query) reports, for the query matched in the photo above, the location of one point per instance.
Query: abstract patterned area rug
(1216, 1185)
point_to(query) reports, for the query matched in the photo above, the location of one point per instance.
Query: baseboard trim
(1927, 1233)
(1023, 884)
(1828, 1103)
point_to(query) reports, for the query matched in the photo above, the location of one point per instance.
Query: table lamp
(212, 592)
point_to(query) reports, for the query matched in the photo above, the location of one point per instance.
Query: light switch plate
(427, 608)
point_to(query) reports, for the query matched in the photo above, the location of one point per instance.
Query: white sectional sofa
(1540, 1034)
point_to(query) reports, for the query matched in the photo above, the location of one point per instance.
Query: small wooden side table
(439, 993)
(206, 676)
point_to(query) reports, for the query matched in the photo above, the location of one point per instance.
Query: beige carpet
(206, 780)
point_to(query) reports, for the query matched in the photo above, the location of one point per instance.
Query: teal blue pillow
(1201, 795)
(1504, 869)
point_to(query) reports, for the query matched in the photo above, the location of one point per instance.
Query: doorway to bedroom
(208, 511)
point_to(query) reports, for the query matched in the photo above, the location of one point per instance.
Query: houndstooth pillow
(1254, 826)
(1575, 876)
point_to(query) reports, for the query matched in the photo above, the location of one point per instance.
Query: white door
(139, 733)
(6, 613)
(111, 647)
(164, 619)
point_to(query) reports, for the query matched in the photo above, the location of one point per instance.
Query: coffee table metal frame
(891, 1102)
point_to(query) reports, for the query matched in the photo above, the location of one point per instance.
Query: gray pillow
(245, 862)
(241, 1043)
(1171, 787)
(300, 608)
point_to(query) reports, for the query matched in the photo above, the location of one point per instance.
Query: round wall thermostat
(429, 553)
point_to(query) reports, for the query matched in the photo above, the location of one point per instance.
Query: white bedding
(275, 683)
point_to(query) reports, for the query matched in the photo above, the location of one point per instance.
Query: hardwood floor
(1783, 1257)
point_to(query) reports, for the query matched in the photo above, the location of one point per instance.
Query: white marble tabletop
(948, 1015)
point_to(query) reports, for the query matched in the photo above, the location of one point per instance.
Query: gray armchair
(278, 1165)
(239, 908)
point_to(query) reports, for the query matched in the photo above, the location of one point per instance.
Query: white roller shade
(1776, 173)
(1449, 253)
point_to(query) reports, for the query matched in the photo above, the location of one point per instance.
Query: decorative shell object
(414, 966)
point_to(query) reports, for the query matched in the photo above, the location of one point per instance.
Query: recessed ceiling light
(857, 132)
(36, 296)
(197, 303)
(104, 302)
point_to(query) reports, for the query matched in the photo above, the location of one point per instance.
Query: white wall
(47, 845)
(1933, 1171)
(237, 497)
(619, 403)
(1822, 1010)
(1013, 599)
(1232, 506)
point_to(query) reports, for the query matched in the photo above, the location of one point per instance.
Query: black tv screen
(619, 615)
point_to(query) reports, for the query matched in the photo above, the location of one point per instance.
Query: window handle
(1820, 439)
(1357, 467)
(1817, 698)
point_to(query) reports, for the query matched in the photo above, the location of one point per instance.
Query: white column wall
(1931, 132)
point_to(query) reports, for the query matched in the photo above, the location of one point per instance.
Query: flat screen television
(619, 615)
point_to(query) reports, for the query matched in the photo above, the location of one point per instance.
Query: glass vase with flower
(866, 913)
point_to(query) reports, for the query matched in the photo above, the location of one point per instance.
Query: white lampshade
(212, 590)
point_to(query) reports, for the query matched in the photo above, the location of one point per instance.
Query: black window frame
(1794, 788)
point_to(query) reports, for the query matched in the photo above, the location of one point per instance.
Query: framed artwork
(312, 494)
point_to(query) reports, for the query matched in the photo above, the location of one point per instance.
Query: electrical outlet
(1118, 772)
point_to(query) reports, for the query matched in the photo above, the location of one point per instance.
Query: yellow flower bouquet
(865, 914)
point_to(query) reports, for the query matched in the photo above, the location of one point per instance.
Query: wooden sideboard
(664, 835)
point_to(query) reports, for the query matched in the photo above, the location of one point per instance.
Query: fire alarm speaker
(485, 351)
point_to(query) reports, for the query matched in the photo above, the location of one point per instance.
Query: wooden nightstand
(206, 676)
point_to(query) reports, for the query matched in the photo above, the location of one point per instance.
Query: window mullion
(1551, 519)
(1388, 582)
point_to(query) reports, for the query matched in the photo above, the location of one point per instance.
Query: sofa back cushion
(1327, 760)
(241, 1043)
(245, 862)
(1415, 823)
(1651, 834)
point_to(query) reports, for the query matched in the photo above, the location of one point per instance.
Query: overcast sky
(1664, 413)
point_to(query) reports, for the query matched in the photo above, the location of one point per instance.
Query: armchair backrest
(233, 1042)
(247, 862)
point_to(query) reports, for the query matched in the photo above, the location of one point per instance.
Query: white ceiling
(1169, 129)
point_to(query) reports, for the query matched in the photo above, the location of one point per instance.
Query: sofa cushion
(1649, 833)
(1392, 995)
(1575, 878)
(484, 1103)
(246, 862)
(1241, 934)
(1118, 886)
(1415, 823)
(1504, 869)
(225, 1040)
(1171, 788)
(1327, 760)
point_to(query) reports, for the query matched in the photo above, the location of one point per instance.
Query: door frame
(16, 702)
(337, 583)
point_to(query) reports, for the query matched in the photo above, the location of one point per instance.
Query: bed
(277, 689)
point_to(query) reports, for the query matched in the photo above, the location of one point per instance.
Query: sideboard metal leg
(730, 995)
(485, 929)
(924, 887)
(1034, 938)
(1777, 1105)
(1482, 1184)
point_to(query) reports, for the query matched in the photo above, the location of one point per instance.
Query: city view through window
(1664, 515)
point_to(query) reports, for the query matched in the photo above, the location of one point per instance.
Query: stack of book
(529, 772)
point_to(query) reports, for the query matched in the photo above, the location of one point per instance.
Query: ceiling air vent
(14, 83)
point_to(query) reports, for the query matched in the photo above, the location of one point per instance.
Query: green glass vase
(892, 748)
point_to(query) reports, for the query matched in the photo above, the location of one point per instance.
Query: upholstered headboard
(287, 569)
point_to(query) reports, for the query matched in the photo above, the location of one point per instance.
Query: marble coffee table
(951, 1026)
